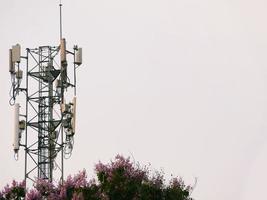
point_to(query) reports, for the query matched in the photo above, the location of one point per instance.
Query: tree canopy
(121, 179)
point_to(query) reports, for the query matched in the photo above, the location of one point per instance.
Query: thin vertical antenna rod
(60, 17)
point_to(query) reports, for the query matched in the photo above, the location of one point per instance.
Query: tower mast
(45, 125)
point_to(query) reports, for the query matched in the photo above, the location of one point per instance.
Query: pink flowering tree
(14, 191)
(121, 179)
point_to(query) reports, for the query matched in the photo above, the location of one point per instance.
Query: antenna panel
(63, 57)
(11, 64)
(78, 56)
(16, 53)
(16, 128)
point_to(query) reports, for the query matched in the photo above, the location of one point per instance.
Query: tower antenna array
(43, 89)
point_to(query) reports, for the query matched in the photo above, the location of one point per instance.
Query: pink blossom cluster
(77, 181)
(129, 169)
(177, 182)
(13, 191)
(121, 179)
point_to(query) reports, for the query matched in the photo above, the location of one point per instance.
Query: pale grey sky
(178, 84)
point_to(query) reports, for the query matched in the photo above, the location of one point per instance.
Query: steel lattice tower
(45, 127)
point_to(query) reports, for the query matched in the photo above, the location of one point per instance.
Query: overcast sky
(180, 84)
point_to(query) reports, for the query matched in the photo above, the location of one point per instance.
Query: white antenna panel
(73, 120)
(16, 53)
(16, 128)
(11, 64)
(63, 57)
(78, 57)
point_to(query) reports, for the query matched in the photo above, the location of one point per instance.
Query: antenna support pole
(60, 18)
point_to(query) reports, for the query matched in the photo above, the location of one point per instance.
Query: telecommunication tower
(43, 94)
